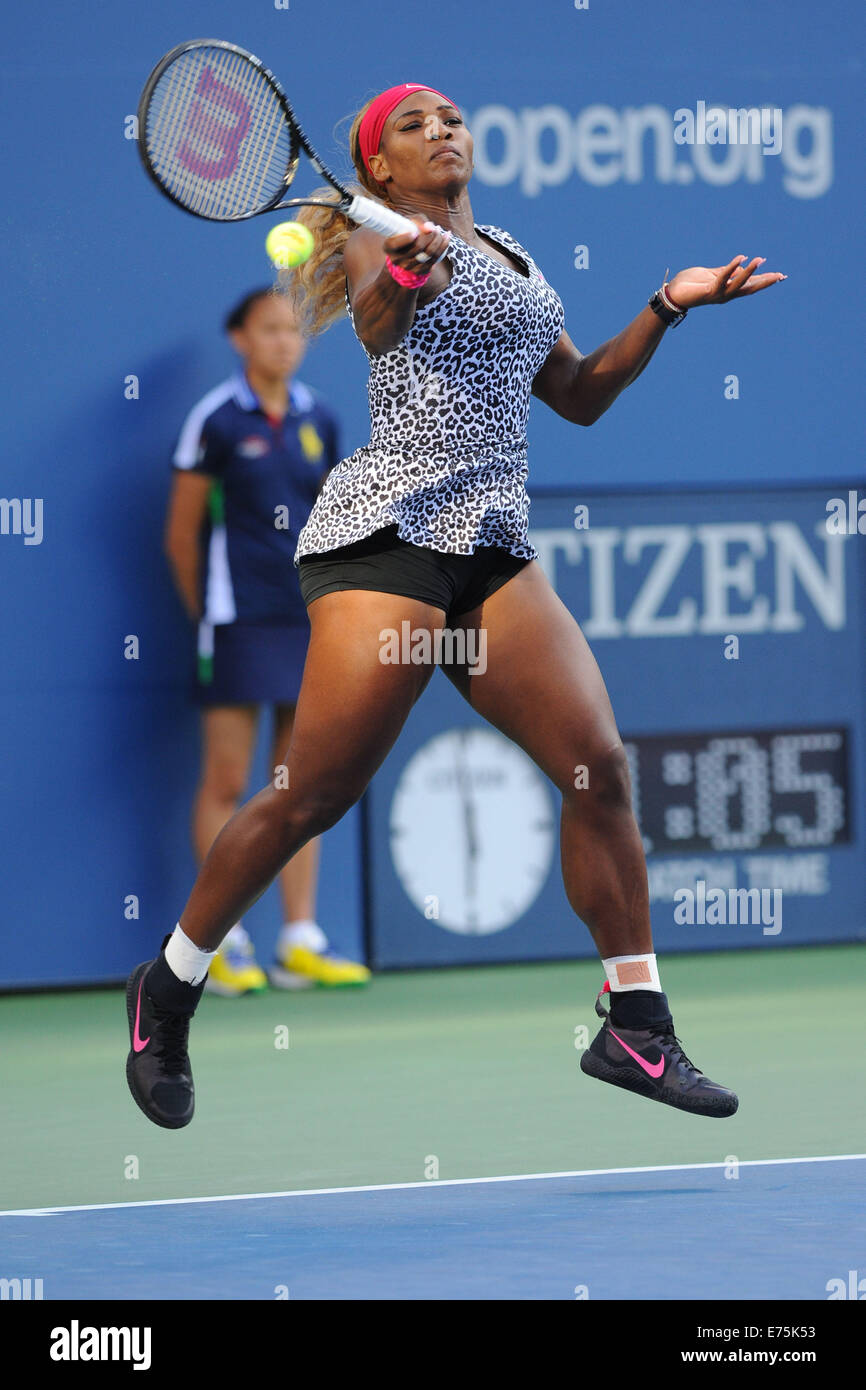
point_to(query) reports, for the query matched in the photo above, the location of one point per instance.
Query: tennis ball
(289, 244)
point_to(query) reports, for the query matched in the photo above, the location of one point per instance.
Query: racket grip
(377, 218)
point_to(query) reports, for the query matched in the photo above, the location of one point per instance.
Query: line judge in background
(250, 462)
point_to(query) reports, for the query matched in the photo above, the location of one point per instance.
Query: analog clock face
(472, 831)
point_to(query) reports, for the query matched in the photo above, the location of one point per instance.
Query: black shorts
(454, 583)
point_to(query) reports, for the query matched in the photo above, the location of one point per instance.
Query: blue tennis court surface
(779, 1230)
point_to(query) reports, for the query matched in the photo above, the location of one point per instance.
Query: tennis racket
(218, 137)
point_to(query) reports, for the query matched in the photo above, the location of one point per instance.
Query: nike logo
(139, 1043)
(653, 1069)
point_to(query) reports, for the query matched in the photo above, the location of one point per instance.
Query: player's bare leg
(351, 708)
(542, 687)
(228, 743)
(303, 955)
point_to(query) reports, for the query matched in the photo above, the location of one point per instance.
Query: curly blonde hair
(316, 288)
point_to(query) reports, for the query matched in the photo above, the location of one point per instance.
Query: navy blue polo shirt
(265, 479)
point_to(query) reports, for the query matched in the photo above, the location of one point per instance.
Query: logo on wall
(542, 147)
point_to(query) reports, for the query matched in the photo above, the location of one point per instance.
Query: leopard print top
(446, 461)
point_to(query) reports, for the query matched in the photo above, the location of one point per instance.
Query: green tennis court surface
(441, 1074)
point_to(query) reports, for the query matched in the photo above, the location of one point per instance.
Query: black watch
(669, 317)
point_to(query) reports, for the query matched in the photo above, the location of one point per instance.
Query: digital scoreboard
(729, 628)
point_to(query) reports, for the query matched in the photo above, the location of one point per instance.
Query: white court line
(433, 1182)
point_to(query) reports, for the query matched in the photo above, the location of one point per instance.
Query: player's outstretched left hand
(691, 288)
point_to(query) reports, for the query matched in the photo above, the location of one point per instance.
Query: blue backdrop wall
(573, 110)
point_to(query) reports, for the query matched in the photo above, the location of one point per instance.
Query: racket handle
(377, 218)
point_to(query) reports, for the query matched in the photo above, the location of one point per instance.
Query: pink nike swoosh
(653, 1069)
(139, 1043)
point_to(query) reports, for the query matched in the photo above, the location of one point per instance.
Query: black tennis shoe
(651, 1062)
(159, 1007)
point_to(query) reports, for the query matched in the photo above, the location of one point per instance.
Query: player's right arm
(185, 517)
(383, 310)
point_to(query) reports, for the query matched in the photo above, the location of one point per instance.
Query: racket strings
(268, 111)
(264, 138)
(227, 72)
(217, 135)
(263, 111)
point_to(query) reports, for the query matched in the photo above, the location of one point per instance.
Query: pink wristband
(407, 278)
(666, 296)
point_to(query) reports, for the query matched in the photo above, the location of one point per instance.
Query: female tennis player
(428, 524)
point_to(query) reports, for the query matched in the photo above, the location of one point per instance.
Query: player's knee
(602, 783)
(303, 814)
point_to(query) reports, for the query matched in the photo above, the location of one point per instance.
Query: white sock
(186, 960)
(302, 933)
(236, 936)
(632, 972)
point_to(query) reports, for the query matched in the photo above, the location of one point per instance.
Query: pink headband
(377, 113)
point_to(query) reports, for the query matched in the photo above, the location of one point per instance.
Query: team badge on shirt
(310, 442)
